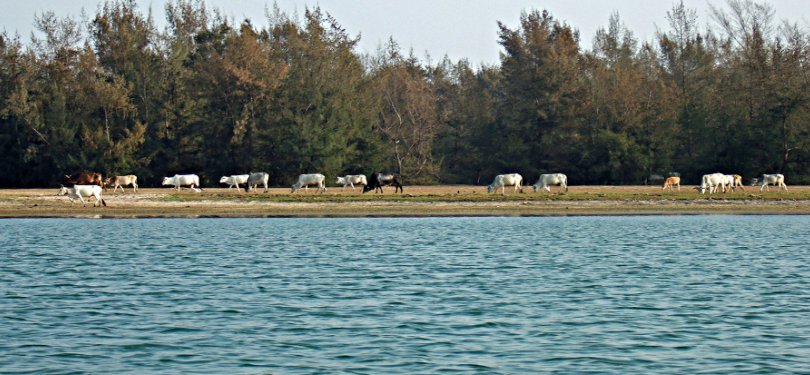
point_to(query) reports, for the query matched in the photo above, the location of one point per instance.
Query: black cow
(378, 180)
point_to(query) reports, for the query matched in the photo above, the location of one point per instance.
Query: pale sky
(457, 28)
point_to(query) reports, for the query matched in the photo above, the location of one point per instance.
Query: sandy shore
(417, 201)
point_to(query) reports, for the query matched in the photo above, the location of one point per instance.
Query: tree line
(114, 94)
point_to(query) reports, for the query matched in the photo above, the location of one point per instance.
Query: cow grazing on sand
(504, 180)
(670, 182)
(306, 180)
(710, 183)
(256, 178)
(78, 192)
(190, 180)
(733, 181)
(121, 181)
(378, 180)
(351, 180)
(546, 181)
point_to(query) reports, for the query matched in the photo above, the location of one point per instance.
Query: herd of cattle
(87, 185)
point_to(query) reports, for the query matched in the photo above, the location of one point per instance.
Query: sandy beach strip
(418, 201)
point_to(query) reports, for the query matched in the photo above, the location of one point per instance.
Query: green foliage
(211, 97)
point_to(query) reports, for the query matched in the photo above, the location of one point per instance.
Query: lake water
(679, 295)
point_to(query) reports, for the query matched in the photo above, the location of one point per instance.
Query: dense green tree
(540, 90)
(688, 68)
(467, 100)
(319, 121)
(211, 96)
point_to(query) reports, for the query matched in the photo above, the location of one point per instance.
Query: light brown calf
(670, 182)
(737, 183)
(121, 181)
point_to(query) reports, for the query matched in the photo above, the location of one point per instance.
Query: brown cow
(672, 181)
(86, 178)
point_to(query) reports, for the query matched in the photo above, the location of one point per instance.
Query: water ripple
(432, 295)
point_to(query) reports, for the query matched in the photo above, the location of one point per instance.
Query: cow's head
(166, 181)
(223, 179)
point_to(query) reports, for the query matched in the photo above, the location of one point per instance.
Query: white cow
(190, 180)
(773, 179)
(546, 181)
(504, 180)
(234, 180)
(121, 181)
(352, 179)
(255, 179)
(710, 183)
(81, 191)
(313, 179)
(728, 182)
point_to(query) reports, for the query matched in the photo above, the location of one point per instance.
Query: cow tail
(103, 202)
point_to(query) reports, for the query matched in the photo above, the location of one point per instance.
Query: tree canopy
(213, 97)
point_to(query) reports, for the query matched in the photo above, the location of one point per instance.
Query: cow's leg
(134, 187)
(82, 200)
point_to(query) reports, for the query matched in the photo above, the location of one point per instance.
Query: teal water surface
(679, 295)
